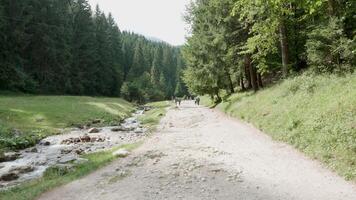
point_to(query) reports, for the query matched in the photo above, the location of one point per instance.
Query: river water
(66, 149)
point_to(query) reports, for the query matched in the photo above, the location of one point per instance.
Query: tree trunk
(218, 98)
(259, 80)
(243, 88)
(247, 70)
(284, 47)
(231, 85)
(331, 8)
(252, 73)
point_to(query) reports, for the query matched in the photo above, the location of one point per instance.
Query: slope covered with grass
(317, 115)
(24, 119)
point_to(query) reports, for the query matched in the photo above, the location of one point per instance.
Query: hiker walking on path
(177, 101)
(197, 101)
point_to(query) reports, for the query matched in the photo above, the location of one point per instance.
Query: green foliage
(316, 114)
(329, 50)
(153, 72)
(27, 119)
(207, 50)
(63, 47)
(244, 43)
(152, 117)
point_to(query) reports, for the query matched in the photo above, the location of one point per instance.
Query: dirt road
(198, 153)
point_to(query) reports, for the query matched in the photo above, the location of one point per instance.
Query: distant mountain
(154, 39)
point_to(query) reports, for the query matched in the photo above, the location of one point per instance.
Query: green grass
(152, 117)
(55, 177)
(39, 116)
(317, 115)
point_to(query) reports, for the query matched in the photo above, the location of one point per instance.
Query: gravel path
(198, 153)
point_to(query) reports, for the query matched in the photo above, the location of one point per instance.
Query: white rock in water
(67, 159)
(122, 153)
(94, 130)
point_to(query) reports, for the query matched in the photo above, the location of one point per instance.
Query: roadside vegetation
(288, 67)
(25, 119)
(315, 114)
(152, 117)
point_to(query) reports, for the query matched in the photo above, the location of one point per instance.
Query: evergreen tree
(83, 50)
(61, 47)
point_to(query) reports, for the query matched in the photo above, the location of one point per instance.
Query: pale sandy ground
(198, 153)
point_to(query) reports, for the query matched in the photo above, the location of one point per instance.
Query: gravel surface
(199, 153)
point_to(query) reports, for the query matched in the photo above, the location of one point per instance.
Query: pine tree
(83, 50)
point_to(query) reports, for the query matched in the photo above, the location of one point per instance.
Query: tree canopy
(65, 47)
(243, 44)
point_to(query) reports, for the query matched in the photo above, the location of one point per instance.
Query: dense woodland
(244, 44)
(65, 47)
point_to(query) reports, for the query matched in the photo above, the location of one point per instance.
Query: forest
(66, 47)
(248, 44)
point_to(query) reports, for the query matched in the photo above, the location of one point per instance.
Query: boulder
(139, 130)
(81, 161)
(94, 130)
(127, 129)
(85, 138)
(66, 151)
(9, 156)
(79, 126)
(97, 121)
(76, 140)
(10, 176)
(93, 139)
(116, 129)
(34, 150)
(45, 143)
(22, 169)
(121, 153)
(67, 159)
(79, 151)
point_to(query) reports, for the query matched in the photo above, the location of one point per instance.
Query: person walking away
(197, 101)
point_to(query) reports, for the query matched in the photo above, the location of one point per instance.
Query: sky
(161, 19)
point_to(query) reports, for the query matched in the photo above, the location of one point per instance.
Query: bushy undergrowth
(315, 114)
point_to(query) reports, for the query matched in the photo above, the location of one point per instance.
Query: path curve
(198, 153)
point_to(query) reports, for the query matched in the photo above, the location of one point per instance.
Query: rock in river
(67, 159)
(9, 176)
(14, 173)
(121, 153)
(9, 156)
(94, 130)
(45, 143)
(22, 169)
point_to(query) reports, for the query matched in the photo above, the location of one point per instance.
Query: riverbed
(66, 149)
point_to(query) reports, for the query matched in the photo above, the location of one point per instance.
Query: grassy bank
(55, 177)
(25, 119)
(152, 117)
(317, 115)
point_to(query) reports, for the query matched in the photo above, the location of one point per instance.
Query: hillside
(315, 114)
(24, 119)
